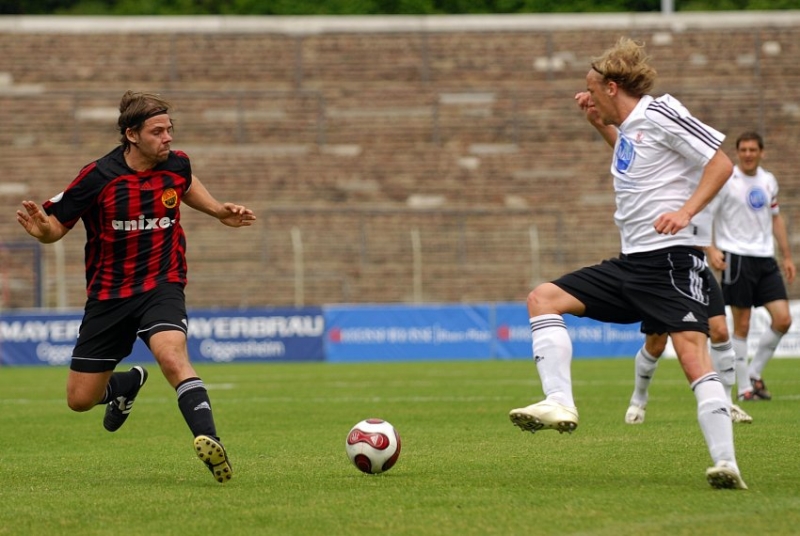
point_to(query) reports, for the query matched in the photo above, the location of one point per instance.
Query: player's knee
(655, 346)
(533, 301)
(719, 335)
(79, 402)
(169, 367)
(539, 298)
(176, 368)
(742, 329)
(782, 323)
(533, 296)
(718, 329)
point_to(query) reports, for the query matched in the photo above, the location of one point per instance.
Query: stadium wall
(389, 159)
(352, 333)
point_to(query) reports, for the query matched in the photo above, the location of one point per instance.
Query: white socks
(722, 357)
(645, 366)
(552, 351)
(723, 360)
(742, 376)
(713, 415)
(764, 351)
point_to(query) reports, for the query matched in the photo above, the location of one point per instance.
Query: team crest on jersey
(756, 198)
(623, 159)
(169, 198)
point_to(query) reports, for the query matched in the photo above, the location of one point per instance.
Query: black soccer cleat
(212, 453)
(117, 410)
(760, 390)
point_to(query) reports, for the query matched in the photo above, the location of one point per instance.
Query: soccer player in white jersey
(746, 218)
(667, 166)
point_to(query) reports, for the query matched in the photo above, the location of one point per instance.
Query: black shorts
(752, 281)
(667, 288)
(716, 305)
(716, 302)
(110, 327)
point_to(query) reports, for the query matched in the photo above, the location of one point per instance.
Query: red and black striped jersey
(134, 239)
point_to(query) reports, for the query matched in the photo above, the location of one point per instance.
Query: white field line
(586, 396)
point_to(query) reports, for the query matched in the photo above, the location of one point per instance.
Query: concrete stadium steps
(359, 137)
(294, 61)
(74, 61)
(265, 175)
(365, 116)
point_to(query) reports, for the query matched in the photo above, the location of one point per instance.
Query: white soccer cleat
(545, 415)
(635, 414)
(725, 475)
(740, 415)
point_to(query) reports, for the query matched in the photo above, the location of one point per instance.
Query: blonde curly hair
(627, 64)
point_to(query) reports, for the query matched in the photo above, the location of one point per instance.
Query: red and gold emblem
(169, 198)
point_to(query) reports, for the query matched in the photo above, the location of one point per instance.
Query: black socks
(120, 384)
(196, 407)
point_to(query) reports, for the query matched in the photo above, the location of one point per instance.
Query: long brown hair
(134, 109)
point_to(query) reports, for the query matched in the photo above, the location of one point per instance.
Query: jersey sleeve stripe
(689, 124)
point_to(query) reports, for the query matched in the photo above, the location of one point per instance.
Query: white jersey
(744, 211)
(703, 222)
(659, 157)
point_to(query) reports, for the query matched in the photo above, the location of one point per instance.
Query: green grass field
(464, 469)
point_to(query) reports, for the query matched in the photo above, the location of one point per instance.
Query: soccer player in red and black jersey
(129, 202)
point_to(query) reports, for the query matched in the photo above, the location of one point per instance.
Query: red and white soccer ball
(373, 445)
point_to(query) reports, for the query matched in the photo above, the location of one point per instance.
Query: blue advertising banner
(405, 333)
(38, 338)
(336, 333)
(214, 336)
(590, 338)
(257, 335)
(512, 331)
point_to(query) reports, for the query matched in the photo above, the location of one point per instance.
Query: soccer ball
(373, 445)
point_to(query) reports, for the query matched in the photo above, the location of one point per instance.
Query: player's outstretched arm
(46, 229)
(199, 198)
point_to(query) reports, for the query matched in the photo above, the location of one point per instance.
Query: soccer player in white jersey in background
(667, 166)
(745, 220)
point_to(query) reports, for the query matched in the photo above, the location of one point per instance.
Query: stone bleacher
(361, 139)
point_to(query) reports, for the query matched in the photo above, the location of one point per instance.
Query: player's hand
(586, 104)
(672, 222)
(716, 258)
(237, 215)
(584, 100)
(33, 219)
(789, 269)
